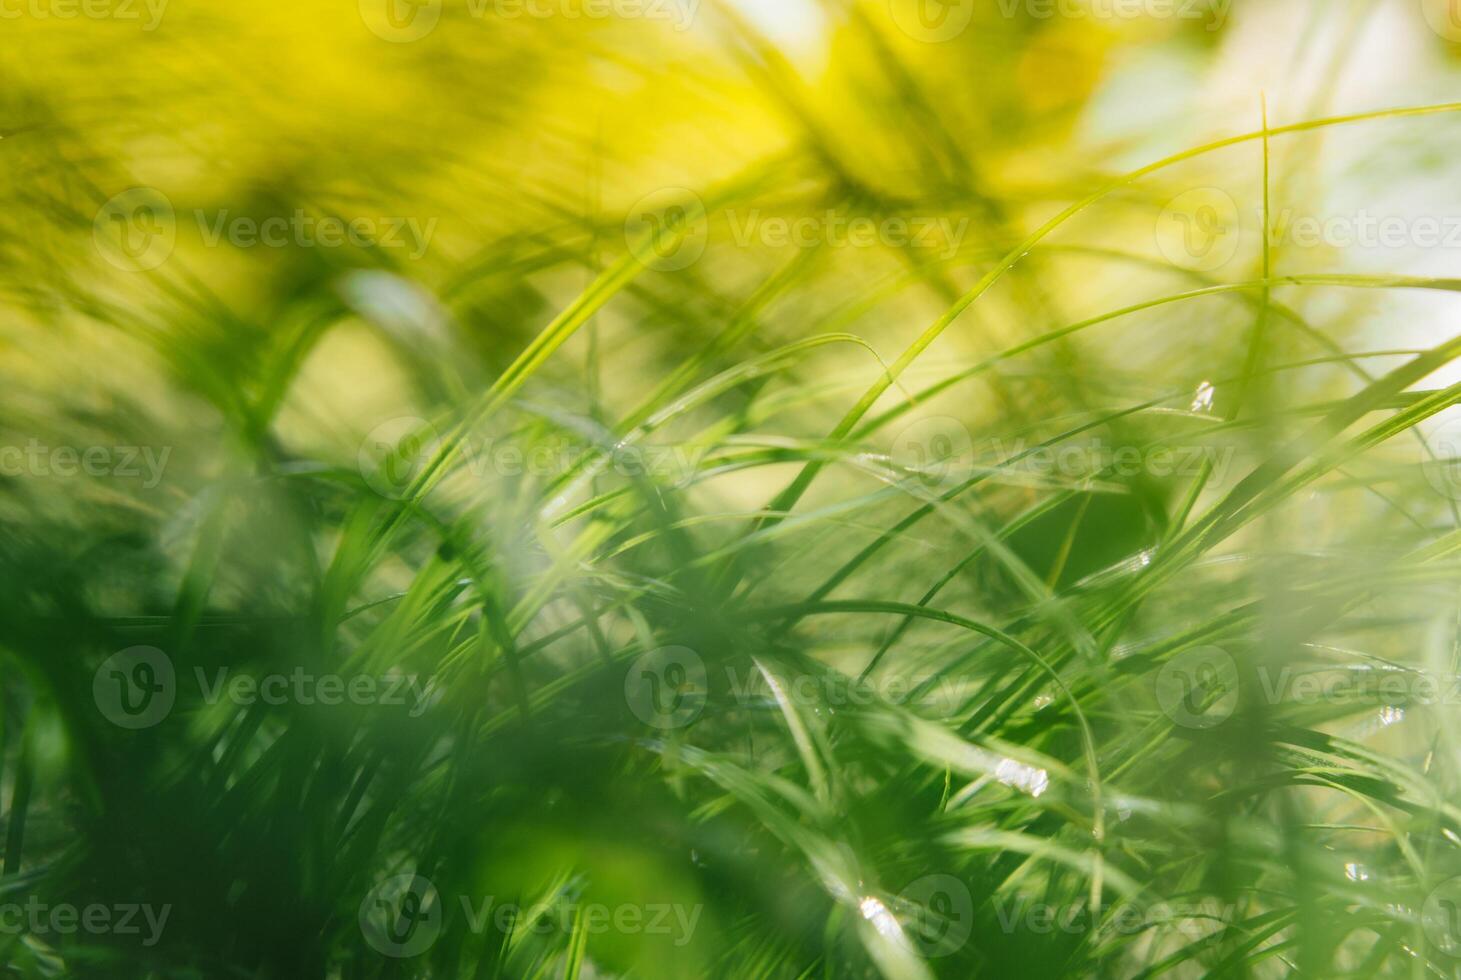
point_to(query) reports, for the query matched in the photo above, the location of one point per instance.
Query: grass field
(714, 488)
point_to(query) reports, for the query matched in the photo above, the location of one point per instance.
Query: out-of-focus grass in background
(736, 488)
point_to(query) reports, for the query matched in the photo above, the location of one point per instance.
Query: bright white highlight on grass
(1022, 777)
(877, 913)
(1203, 401)
(793, 24)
